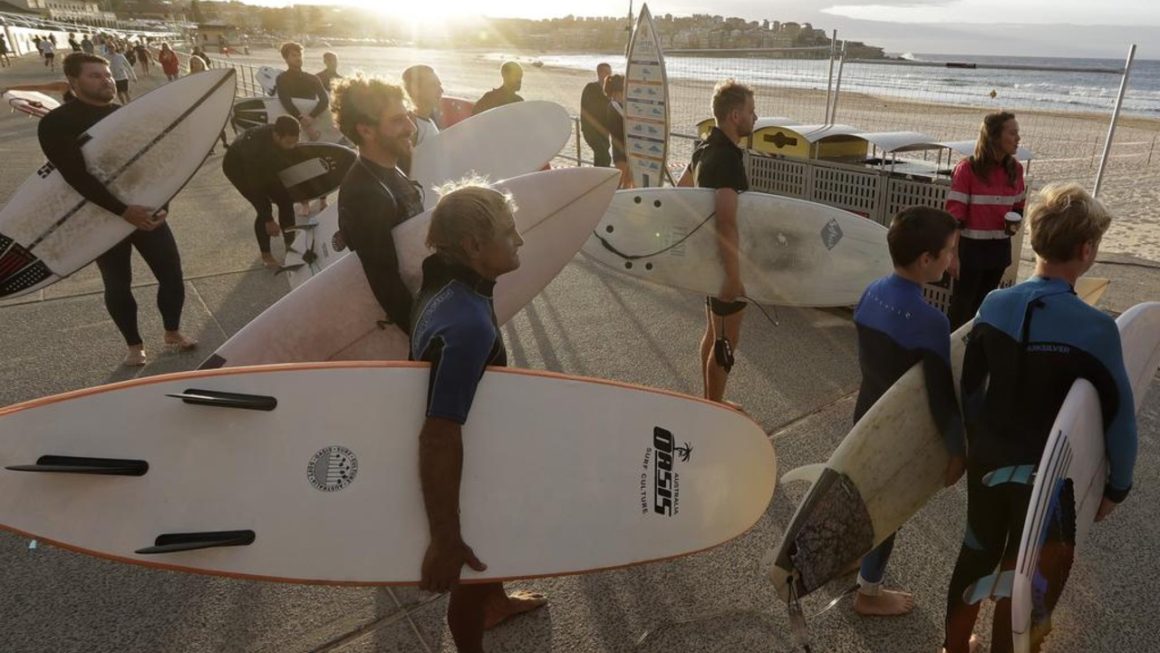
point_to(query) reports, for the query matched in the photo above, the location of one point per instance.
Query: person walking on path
(986, 197)
(170, 64)
(143, 57)
(4, 52)
(122, 72)
(87, 45)
(593, 107)
(59, 131)
(49, 52)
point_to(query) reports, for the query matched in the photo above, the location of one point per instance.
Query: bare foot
(887, 603)
(269, 261)
(496, 612)
(176, 341)
(973, 646)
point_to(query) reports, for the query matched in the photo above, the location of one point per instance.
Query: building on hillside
(71, 11)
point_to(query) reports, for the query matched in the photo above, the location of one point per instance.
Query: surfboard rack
(174, 542)
(78, 465)
(225, 399)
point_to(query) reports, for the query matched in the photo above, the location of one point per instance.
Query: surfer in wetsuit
(375, 196)
(296, 83)
(454, 328)
(593, 107)
(92, 85)
(718, 163)
(898, 329)
(329, 74)
(425, 90)
(252, 163)
(1029, 343)
(513, 80)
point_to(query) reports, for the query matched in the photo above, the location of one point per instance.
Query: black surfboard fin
(175, 542)
(78, 465)
(225, 399)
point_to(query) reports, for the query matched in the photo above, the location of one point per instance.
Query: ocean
(1014, 89)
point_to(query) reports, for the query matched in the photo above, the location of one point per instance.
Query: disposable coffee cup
(1014, 220)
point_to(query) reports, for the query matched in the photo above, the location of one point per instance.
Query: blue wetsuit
(1027, 347)
(454, 328)
(898, 329)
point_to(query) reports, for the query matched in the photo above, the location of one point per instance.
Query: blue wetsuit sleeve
(458, 357)
(940, 391)
(1120, 437)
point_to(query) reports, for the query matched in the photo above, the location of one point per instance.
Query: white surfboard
(793, 252)
(145, 153)
(256, 111)
(319, 481)
(31, 103)
(1075, 453)
(646, 110)
(557, 209)
(889, 465)
(500, 143)
(317, 171)
(267, 79)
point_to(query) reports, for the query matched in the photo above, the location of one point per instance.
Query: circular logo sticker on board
(332, 468)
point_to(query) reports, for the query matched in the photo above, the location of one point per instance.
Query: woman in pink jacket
(985, 188)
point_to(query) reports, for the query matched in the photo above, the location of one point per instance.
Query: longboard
(793, 252)
(646, 110)
(556, 212)
(310, 474)
(885, 469)
(1075, 456)
(144, 153)
(500, 143)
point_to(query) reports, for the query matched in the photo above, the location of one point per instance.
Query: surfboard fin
(225, 399)
(174, 542)
(77, 465)
(809, 473)
(998, 585)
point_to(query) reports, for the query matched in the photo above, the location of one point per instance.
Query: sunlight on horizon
(437, 14)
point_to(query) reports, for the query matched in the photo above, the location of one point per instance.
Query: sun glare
(434, 15)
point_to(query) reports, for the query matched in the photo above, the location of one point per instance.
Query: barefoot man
(475, 240)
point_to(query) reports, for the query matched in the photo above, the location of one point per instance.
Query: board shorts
(724, 309)
(122, 86)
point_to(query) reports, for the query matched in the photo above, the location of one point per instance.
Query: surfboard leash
(636, 257)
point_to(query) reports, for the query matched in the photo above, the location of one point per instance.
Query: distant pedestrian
(73, 43)
(4, 52)
(143, 57)
(330, 72)
(49, 52)
(170, 64)
(513, 80)
(87, 45)
(122, 72)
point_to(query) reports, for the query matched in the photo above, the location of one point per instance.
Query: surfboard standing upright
(646, 111)
(310, 473)
(144, 153)
(1074, 456)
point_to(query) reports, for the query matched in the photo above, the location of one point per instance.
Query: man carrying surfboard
(718, 163)
(375, 196)
(59, 132)
(296, 83)
(1028, 345)
(251, 164)
(898, 329)
(474, 236)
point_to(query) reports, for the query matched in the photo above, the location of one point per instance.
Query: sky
(1058, 28)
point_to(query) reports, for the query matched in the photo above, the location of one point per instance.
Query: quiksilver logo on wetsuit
(661, 459)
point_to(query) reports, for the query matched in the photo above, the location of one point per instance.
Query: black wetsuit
(298, 84)
(252, 163)
(327, 78)
(371, 202)
(719, 163)
(61, 136)
(1027, 347)
(496, 97)
(593, 110)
